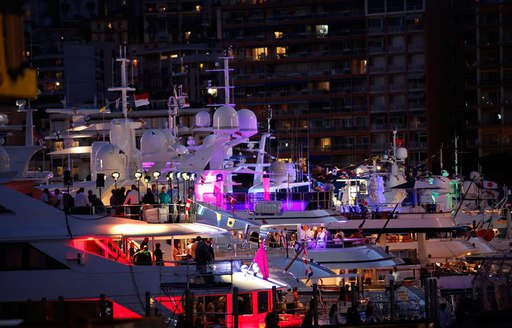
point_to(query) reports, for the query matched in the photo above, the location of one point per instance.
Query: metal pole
(148, 304)
(315, 305)
(235, 307)
(392, 300)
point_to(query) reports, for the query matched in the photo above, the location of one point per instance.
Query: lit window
(109, 25)
(281, 52)
(322, 30)
(135, 62)
(325, 143)
(201, 66)
(198, 8)
(259, 53)
(278, 35)
(187, 35)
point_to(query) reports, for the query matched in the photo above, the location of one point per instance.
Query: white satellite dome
(203, 119)
(443, 183)
(5, 160)
(225, 120)
(153, 141)
(401, 153)
(248, 122)
(110, 158)
(290, 170)
(181, 150)
(474, 176)
(278, 172)
(209, 139)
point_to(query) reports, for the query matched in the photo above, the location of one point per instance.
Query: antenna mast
(124, 84)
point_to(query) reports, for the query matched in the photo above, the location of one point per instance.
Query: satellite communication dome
(278, 172)
(181, 150)
(110, 158)
(225, 120)
(248, 122)
(203, 119)
(5, 160)
(290, 169)
(442, 183)
(153, 141)
(209, 139)
(401, 153)
(474, 176)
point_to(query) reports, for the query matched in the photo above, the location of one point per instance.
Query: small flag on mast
(142, 99)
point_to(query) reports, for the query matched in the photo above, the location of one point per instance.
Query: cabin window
(23, 256)
(263, 302)
(245, 304)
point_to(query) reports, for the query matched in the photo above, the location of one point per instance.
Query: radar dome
(474, 176)
(290, 170)
(248, 122)
(5, 160)
(278, 172)
(203, 119)
(153, 141)
(401, 153)
(225, 120)
(109, 159)
(209, 139)
(181, 150)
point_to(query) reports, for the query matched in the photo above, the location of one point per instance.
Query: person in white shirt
(322, 237)
(396, 275)
(81, 199)
(388, 279)
(132, 198)
(59, 199)
(81, 202)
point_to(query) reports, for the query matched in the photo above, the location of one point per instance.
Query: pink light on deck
(266, 186)
(147, 165)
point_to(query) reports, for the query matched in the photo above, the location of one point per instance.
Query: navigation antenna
(227, 87)
(124, 88)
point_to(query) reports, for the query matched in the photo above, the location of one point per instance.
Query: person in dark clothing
(203, 256)
(271, 320)
(132, 252)
(212, 251)
(143, 257)
(144, 242)
(149, 197)
(159, 255)
(353, 317)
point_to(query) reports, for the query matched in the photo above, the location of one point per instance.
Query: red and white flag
(261, 260)
(142, 99)
(490, 184)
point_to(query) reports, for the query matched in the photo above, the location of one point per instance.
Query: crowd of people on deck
(198, 251)
(82, 203)
(123, 201)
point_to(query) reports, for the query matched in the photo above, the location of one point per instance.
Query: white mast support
(227, 87)
(227, 91)
(29, 126)
(124, 83)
